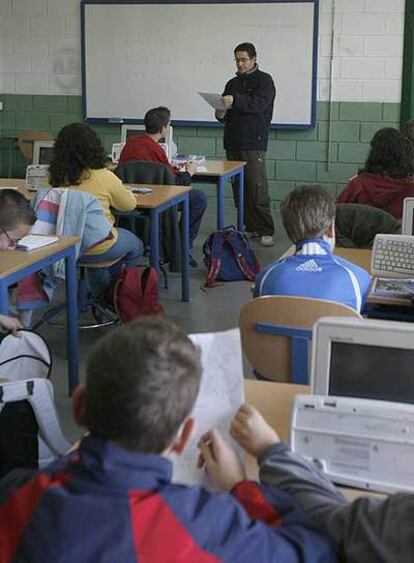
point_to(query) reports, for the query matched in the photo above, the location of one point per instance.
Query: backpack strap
(216, 255)
(238, 249)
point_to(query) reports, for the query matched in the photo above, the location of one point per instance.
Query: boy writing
(113, 500)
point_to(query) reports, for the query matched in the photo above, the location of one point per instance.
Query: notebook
(33, 242)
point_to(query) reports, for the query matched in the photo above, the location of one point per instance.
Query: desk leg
(240, 210)
(4, 299)
(72, 320)
(154, 240)
(220, 203)
(185, 245)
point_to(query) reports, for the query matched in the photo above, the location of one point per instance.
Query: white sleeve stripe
(355, 284)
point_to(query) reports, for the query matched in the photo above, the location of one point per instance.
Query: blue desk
(219, 172)
(159, 200)
(15, 265)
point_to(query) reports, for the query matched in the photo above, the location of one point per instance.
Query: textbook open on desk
(33, 242)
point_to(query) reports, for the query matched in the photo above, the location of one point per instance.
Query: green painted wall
(294, 157)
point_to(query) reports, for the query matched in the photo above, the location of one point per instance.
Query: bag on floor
(135, 293)
(25, 357)
(229, 257)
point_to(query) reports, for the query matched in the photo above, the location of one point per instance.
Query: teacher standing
(249, 98)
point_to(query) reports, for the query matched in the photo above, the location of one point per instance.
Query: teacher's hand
(228, 101)
(220, 113)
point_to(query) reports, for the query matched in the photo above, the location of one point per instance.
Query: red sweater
(143, 147)
(379, 191)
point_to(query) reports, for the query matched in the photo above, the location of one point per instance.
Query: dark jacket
(109, 504)
(356, 225)
(247, 122)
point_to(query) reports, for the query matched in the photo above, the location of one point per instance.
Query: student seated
(78, 162)
(146, 147)
(366, 530)
(387, 177)
(113, 500)
(308, 215)
(16, 220)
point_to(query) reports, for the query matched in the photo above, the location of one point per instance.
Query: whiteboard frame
(213, 123)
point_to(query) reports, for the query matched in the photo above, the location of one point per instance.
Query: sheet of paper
(221, 394)
(214, 100)
(202, 168)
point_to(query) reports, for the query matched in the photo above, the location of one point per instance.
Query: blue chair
(276, 332)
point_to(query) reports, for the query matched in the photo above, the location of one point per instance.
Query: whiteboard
(136, 56)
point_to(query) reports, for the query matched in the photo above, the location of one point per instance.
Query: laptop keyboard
(393, 256)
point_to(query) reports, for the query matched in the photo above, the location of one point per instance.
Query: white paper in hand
(214, 100)
(221, 394)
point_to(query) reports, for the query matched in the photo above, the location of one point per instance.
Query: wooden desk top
(359, 256)
(219, 167)
(12, 261)
(19, 183)
(160, 194)
(275, 402)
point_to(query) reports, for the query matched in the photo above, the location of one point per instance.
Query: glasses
(12, 242)
(242, 60)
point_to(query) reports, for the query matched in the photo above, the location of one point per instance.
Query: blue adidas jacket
(107, 505)
(315, 272)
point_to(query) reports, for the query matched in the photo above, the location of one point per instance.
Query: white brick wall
(40, 48)
(367, 50)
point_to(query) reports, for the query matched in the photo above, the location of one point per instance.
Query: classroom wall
(40, 88)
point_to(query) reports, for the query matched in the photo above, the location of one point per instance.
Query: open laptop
(358, 424)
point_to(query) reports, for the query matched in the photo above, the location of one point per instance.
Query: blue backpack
(229, 257)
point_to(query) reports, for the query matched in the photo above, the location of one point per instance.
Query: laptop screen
(45, 154)
(371, 372)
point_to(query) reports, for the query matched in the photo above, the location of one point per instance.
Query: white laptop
(358, 424)
(37, 176)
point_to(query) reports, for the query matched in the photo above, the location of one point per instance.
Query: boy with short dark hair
(308, 215)
(113, 500)
(147, 148)
(16, 219)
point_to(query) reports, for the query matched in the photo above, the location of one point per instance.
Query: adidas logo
(309, 266)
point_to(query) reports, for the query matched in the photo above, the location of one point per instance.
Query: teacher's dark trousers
(257, 215)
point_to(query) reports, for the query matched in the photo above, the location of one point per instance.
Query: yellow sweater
(111, 192)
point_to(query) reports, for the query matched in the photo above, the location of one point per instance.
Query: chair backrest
(142, 172)
(276, 332)
(26, 141)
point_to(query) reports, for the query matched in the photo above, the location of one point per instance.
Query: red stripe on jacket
(158, 535)
(255, 504)
(19, 507)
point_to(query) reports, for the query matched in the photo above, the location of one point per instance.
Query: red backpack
(135, 293)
